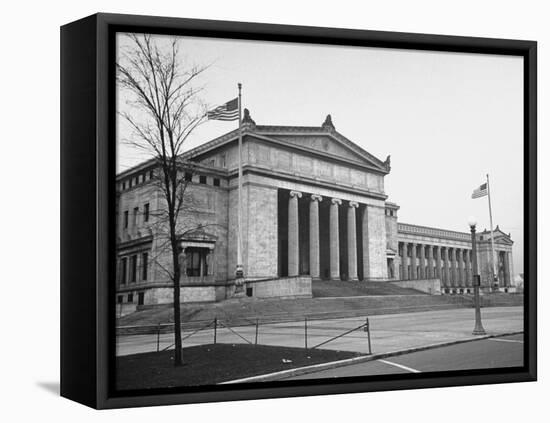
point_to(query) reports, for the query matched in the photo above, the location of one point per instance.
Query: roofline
(248, 129)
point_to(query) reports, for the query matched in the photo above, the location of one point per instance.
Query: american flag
(227, 111)
(481, 191)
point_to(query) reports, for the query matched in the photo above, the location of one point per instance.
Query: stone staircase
(247, 310)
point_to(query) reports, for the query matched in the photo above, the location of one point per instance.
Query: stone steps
(329, 288)
(248, 311)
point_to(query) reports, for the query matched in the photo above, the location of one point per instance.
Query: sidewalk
(391, 332)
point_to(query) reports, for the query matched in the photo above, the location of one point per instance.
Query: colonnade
(452, 265)
(314, 242)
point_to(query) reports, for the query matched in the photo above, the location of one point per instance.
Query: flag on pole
(481, 191)
(227, 111)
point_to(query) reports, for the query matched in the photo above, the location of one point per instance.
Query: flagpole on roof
(492, 234)
(239, 273)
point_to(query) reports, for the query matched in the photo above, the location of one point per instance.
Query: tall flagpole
(492, 234)
(239, 270)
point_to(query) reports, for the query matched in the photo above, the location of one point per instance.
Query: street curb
(284, 374)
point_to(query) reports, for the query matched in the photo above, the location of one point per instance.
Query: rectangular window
(126, 219)
(124, 185)
(196, 261)
(188, 177)
(223, 160)
(143, 177)
(124, 266)
(119, 299)
(146, 212)
(151, 174)
(216, 182)
(141, 298)
(202, 179)
(144, 259)
(130, 183)
(136, 211)
(130, 298)
(133, 268)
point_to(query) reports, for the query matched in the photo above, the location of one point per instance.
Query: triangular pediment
(321, 142)
(499, 236)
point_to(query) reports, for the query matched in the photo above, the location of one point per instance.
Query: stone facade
(313, 207)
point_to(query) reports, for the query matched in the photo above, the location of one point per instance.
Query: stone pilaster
(413, 261)
(352, 241)
(507, 279)
(430, 273)
(422, 262)
(334, 240)
(314, 251)
(293, 234)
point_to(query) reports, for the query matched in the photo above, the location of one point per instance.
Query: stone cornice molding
(309, 181)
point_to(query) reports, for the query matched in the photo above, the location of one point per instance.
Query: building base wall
(292, 287)
(429, 286)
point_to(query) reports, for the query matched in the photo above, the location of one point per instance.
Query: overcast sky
(446, 119)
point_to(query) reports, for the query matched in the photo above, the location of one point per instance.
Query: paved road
(483, 354)
(389, 332)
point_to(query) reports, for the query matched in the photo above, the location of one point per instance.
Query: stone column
(446, 272)
(453, 267)
(422, 262)
(413, 261)
(437, 273)
(293, 234)
(430, 273)
(460, 263)
(352, 242)
(366, 246)
(507, 281)
(404, 273)
(468, 270)
(314, 251)
(334, 240)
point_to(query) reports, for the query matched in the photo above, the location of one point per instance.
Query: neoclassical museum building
(313, 208)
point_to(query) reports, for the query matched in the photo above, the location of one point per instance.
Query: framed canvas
(257, 211)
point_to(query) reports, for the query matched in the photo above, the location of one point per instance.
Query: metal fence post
(368, 335)
(256, 338)
(158, 337)
(305, 331)
(215, 329)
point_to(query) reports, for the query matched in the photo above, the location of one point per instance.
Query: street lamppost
(476, 282)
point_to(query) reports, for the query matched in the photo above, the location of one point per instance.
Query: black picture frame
(87, 201)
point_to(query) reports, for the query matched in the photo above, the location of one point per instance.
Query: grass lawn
(212, 364)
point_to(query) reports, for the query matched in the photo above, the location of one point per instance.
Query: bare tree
(164, 111)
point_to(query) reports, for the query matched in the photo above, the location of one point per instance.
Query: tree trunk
(178, 361)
